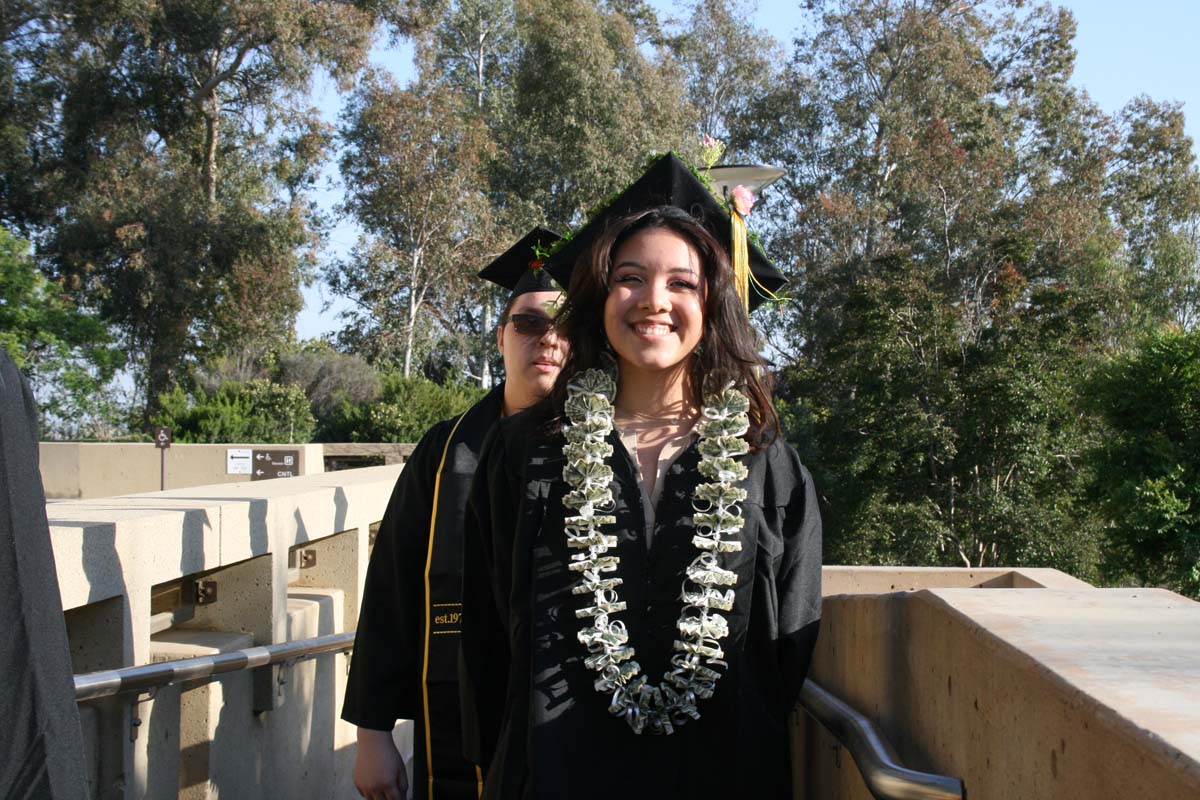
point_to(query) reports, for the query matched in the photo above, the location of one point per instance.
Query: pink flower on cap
(743, 200)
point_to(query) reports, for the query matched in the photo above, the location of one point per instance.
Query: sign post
(162, 440)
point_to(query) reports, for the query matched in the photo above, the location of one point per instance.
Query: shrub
(1146, 474)
(256, 411)
(406, 408)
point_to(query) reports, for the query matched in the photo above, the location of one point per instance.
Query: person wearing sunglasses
(532, 351)
(405, 657)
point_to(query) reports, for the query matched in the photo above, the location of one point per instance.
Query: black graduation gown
(406, 649)
(531, 714)
(41, 748)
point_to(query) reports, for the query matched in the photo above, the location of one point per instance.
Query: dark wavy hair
(727, 351)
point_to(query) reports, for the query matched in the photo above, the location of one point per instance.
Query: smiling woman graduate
(643, 550)
(406, 649)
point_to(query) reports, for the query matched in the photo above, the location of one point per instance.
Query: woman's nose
(655, 297)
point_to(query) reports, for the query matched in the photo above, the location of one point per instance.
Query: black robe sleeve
(487, 564)
(384, 684)
(799, 578)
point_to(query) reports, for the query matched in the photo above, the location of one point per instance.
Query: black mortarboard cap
(520, 269)
(668, 182)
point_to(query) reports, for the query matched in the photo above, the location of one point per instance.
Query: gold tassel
(741, 258)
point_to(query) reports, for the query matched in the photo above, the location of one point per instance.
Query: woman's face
(654, 314)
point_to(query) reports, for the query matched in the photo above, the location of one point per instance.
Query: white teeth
(652, 330)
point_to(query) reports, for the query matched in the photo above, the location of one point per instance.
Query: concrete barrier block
(836, 579)
(213, 738)
(251, 598)
(1056, 694)
(300, 734)
(105, 547)
(335, 565)
(112, 552)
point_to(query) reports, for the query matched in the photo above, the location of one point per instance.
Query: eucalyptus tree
(29, 72)
(727, 64)
(474, 47)
(413, 164)
(185, 151)
(573, 97)
(592, 98)
(1153, 191)
(961, 256)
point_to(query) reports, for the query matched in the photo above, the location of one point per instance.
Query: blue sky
(1123, 49)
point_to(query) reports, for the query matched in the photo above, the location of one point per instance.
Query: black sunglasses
(531, 324)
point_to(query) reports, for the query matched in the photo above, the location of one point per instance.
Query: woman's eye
(681, 284)
(627, 278)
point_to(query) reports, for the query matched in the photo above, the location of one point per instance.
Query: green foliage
(177, 160)
(65, 352)
(257, 411)
(406, 408)
(1146, 471)
(928, 452)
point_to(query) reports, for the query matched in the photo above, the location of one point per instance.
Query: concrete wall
(82, 470)
(270, 733)
(1056, 690)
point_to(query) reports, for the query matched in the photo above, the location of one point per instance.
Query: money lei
(698, 657)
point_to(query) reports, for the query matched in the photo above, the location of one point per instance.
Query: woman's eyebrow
(670, 270)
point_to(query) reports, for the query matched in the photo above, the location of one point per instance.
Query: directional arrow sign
(237, 460)
(270, 464)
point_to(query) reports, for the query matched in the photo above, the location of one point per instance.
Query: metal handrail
(873, 753)
(94, 685)
(877, 761)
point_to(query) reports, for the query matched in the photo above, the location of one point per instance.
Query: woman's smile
(653, 329)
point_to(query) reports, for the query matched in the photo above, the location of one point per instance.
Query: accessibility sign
(268, 464)
(162, 438)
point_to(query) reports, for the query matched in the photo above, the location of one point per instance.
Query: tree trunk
(163, 356)
(485, 365)
(409, 330)
(211, 122)
(482, 54)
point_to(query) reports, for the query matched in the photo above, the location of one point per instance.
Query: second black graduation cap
(520, 268)
(668, 182)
